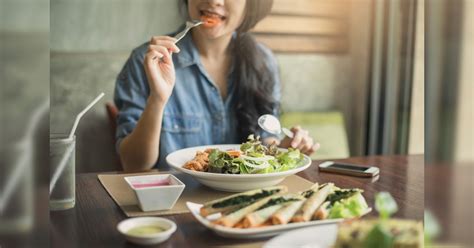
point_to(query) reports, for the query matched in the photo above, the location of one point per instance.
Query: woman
(209, 88)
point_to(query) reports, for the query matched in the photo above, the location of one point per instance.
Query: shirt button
(175, 126)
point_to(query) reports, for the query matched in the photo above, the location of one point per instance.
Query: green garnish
(353, 206)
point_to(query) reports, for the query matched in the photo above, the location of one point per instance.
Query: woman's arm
(139, 150)
(301, 139)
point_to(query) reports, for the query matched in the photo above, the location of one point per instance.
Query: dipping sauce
(151, 184)
(145, 230)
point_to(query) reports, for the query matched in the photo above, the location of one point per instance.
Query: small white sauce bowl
(126, 225)
(158, 197)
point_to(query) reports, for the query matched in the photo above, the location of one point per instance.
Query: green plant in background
(432, 228)
(379, 236)
(385, 205)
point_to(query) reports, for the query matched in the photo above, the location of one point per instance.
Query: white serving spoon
(272, 125)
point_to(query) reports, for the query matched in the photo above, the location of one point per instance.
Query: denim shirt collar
(188, 55)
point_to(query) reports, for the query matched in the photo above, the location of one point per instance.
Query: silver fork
(189, 25)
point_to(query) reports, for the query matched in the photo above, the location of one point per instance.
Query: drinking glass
(62, 163)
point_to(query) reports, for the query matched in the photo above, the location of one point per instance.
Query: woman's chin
(213, 32)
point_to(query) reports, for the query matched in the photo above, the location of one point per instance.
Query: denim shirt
(195, 113)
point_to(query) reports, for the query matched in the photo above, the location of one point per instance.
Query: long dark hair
(253, 77)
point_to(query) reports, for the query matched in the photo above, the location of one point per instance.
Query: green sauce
(145, 230)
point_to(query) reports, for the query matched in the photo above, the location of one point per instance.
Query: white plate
(321, 236)
(250, 233)
(229, 182)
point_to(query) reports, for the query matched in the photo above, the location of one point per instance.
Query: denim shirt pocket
(182, 123)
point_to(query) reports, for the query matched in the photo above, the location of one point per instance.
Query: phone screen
(348, 167)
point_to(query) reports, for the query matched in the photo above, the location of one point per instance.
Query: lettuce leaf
(290, 159)
(351, 207)
(221, 162)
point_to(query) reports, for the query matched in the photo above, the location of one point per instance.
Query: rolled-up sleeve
(130, 95)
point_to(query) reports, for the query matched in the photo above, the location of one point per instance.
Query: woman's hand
(301, 140)
(159, 67)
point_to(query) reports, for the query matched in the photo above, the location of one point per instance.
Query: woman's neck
(211, 48)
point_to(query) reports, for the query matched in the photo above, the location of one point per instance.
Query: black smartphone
(349, 169)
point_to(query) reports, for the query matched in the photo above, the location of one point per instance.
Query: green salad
(254, 158)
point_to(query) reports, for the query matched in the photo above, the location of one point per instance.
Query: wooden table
(93, 221)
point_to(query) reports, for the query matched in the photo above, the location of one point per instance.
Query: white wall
(24, 15)
(110, 25)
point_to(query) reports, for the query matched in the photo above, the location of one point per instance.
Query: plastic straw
(70, 148)
(79, 116)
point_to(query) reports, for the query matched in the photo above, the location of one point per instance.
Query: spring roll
(236, 216)
(323, 211)
(264, 213)
(258, 217)
(236, 201)
(284, 215)
(312, 203)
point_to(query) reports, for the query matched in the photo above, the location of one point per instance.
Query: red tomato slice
(210, 22)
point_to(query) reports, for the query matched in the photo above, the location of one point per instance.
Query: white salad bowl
(230, 182)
